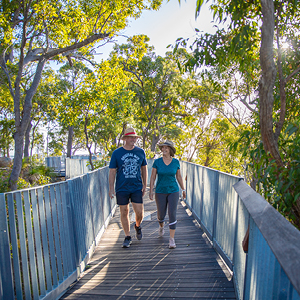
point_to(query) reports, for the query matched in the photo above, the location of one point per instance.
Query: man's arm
(111, 181)
(144, 174)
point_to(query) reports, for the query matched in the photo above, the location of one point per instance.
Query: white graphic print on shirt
(131, 165)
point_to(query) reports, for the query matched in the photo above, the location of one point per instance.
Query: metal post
(215, 207)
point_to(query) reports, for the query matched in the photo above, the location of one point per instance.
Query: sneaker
(161, 231)
(172, 244)
(138, 232)
(127, 242)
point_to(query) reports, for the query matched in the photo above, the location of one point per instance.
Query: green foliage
(31, 34)
(4, 176)
(7, 127)
(100, 163)
(234, 49)
(279, 185)
(33, 173)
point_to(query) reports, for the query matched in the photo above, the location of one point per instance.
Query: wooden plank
(148, 269)
(177, 291)
(187, 282)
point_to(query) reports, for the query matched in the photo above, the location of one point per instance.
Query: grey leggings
(164, 201)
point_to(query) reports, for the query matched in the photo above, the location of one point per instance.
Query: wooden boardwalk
(149, 269)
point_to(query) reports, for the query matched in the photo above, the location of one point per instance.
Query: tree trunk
(87, 143)
(27, 140)
(21, 125)
(95, 148)
(155, 139)
(17, 166)
(70, 141)
(114, 142)
(267, 82)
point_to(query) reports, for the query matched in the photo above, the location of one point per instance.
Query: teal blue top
(166, 179)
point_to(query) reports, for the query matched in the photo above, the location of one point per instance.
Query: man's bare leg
(139, 213)
(124, 212)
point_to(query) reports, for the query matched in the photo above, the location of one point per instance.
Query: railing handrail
(223, 213)
(265, 271)
(282, 237)
(49, 234)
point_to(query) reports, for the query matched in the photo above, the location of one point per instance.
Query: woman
(167, 191)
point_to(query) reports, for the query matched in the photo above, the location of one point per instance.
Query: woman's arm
(152, 180)
(180, 181)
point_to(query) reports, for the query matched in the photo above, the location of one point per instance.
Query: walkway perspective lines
(148, 269)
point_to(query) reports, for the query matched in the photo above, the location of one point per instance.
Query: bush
(33, 173)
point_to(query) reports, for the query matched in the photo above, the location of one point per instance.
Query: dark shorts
(123, 198)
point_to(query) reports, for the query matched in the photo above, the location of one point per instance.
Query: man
(128, 166)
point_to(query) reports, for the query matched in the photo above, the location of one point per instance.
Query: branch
(31, 91)
(15, 20)
(77, 56)
(97, 19)
(50, 53)
(295, 72)
(221, 111)
(247, 105)
(105, 22)
(32, 55)
(19, 75)
(47, 34)
(135, 74)
(167, 105)
(3, 66)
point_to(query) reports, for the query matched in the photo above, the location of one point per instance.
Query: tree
(160, 99)
(71, 77)
(34, 32)
(242, 43)
(44, 109)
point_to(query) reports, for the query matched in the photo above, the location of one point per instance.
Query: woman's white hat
(169, 144)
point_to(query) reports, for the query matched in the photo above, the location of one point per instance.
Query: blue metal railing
(47, 234)
(271, 268)
(69, 167)
(57, 163)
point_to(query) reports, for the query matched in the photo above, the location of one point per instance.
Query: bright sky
(163, 27)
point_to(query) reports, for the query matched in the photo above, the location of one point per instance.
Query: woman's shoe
(172, 244)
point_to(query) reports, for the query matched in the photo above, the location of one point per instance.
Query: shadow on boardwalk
(149, 269)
